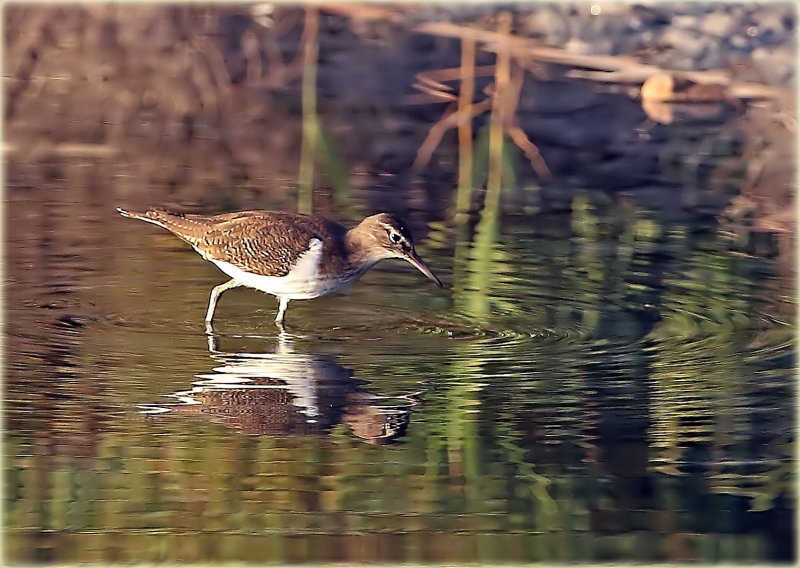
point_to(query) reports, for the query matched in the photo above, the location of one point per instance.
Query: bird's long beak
(414, 259)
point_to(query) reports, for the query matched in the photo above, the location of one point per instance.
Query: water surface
(608, 375)
(580, 398)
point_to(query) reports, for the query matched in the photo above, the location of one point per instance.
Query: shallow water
(608, 374)
(618, 393)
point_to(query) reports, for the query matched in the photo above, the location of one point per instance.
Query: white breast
(301, 283)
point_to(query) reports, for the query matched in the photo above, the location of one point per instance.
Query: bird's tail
(190, 228)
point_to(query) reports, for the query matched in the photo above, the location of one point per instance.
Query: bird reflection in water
(289, 393)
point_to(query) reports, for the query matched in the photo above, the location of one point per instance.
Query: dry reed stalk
(250, 50)
(276, 64)
(424, 79)
(499, 103)
(24, 55)
(436, 132)
(430, 82)
(521, 139)
(515, 132)
(214, 80)
(435, 77)
(465, 96)
(310, 127)
(364, 12)
(504, 107)
(608, 68)
(436, 94)
(280, 72)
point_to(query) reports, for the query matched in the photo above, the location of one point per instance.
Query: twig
(30, 54)
(309, 103)
(501, 81)
(511, 94)
(515, 132)
(251, 53)
(356, 11)
(280, 72)
(450, 120)
(435, 77)
(465, 96)
(519, 138)
(621, 65)
(437, 95)
(425, 80)
(430, 83)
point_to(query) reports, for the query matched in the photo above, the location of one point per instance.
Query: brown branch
(425, 79)
(424, 99)
(281, 73)
(512, 128)
(622, 66)
(437, 131)
(501, 80)
(465, 96)
(436, 76)
(252, 55)
(356, 11)
(438, 95)
(28, 58)
(511, 94)
(521, 139)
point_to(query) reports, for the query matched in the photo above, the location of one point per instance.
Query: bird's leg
(212, 302)
(212, 340)
(284, 303)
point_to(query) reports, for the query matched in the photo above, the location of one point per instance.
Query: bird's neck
(362, 247)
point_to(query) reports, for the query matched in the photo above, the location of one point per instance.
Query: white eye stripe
(395, 236)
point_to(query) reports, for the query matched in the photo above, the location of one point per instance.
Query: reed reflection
(288, 393)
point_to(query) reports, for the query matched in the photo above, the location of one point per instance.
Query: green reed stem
(491, 206)
(310, 120)
(480, 273)
(465, 96)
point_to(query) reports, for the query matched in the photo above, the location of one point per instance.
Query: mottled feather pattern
(261, 242)
(291, 256)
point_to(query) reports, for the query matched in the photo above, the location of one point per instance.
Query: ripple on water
(558, 383)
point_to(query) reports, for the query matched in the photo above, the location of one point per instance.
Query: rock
(611, 10)
(687, 43)
(682, 113)
(597, 47)
(676, 35)
(740, 43)
(668, 87)
(651, 17)
(550, 24)
(659, 87)
(686, 22)
(716, 58)
(721, 24)
(772, 27)
(634, 23)
(776, 65)
(646, 38)
(579, 24)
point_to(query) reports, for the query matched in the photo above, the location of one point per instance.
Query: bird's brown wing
(261, 242)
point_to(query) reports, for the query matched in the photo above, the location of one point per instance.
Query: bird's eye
(395, 237)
